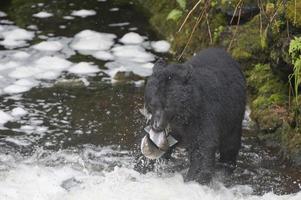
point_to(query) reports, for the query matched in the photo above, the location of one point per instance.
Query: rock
(248, 11)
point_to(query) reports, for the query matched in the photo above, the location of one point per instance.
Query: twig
(199, 19)
(188, 15)
(235, 10)
(236, 29)
(260, 17)
(295, 14)
(208, 27)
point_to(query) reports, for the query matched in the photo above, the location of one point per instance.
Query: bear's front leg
(202, 161)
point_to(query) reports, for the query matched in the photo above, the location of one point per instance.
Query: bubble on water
(68, 17)
(2, 14)
(84, 68)
(103, 55)
(88, 40)
(48, 46)
(5, 117)
(43, 14)
(15, 37)
(83, 13)
(132, 38)
(132, 53)
(161, 46)
(14, 89)
(21, 55)
(19, 112)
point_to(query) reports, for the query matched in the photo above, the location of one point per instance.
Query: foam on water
(132, 38)
(83, 13)
(84, 68)
(48, 46)
(161, 46)
(104, 173)
(88, 40)
(103, 55)
(13, 89)
(132, 53)
(18, 112)
(15, 37)
(43, 14)
(5, 117)
(2, 14)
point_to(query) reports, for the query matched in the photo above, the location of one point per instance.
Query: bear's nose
(158, 121)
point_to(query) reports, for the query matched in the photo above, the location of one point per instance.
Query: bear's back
(220, 82)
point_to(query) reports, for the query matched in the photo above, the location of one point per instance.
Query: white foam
(68, 17)
(56, 176)
(16, 37)
(141, 69)
(83, 13)
(103, 55)
(48, 46)
(161, 46)
(88, 40)
(132, 38)
(43, 14)
(19, 112)
(3, 14)
(84, 68)
(5, 117)
(119, 24)
(48, 75)
(24, 72)
(14, 89)
(32, 27)
(52, 63)
(114, 9)
(9, 65)
(21, 55)
(132, 53)
(26, 82)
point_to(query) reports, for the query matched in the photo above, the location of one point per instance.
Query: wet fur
(203, 101)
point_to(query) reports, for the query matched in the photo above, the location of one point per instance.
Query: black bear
(202, 101)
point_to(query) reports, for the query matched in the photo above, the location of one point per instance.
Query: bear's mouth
(157, 121)
(155, 143)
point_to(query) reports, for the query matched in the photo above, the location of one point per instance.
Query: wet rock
(248, 11)
(70, 183)
(126, 76)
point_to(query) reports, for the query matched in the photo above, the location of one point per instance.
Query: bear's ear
(159, 65)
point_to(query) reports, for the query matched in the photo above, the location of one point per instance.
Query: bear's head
(169, 95)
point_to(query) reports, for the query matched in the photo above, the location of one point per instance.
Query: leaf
(174, 15)
(182, 3)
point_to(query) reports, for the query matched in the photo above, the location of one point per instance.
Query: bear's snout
(159, 122)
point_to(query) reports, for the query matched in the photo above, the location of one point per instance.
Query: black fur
(203, 101)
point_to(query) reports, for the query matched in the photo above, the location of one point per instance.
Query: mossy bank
(258, 36)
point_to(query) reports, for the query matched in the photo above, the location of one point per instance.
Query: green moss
(269, 97)
(247, 41)
(293, 13)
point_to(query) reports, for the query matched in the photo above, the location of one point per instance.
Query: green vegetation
(295, 52)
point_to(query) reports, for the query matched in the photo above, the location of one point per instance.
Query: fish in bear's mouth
(154, 144)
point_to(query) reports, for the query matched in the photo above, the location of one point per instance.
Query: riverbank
(258, 37)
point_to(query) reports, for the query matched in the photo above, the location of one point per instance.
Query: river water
(69, 122)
